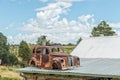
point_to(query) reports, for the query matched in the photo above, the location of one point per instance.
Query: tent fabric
(98, 47)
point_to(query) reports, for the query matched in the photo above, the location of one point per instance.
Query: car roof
(55, 46)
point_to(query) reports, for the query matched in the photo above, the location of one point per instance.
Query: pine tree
(24, 51)
(102, 29)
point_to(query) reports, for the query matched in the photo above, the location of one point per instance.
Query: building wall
(29, 76)
(51, 77)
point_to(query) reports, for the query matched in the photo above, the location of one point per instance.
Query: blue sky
(63, 21)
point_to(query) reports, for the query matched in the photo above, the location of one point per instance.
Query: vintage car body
(53, 57)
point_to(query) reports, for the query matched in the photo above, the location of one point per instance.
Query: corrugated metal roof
(89, 67)
(98, 47)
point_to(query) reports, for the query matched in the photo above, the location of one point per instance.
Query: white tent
(98, 47)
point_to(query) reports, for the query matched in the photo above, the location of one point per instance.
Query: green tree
(79, 40)
(39, 41)
(5, 55)
(24, 51)
(4, 49)
(13, 59)
(70, 44)
(102, 29)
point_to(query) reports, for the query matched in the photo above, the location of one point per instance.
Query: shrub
(8, 78)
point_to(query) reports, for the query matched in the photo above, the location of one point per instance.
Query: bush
(8, 78)
(13, 59)
(4, 69)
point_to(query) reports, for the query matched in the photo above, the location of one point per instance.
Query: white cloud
(43, 0)
(30, 38)
(70, 0)
(85, 18)
(115, 25)
(49, 22)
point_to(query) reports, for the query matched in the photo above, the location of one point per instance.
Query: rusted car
(53, 57)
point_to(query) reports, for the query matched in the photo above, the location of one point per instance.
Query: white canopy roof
(98, 47)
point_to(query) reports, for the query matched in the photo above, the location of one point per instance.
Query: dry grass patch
(5, 72)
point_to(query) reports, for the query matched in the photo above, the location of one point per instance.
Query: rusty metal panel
(44, 57)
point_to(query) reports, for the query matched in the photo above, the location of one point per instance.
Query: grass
(9, 73)
(68, 49)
